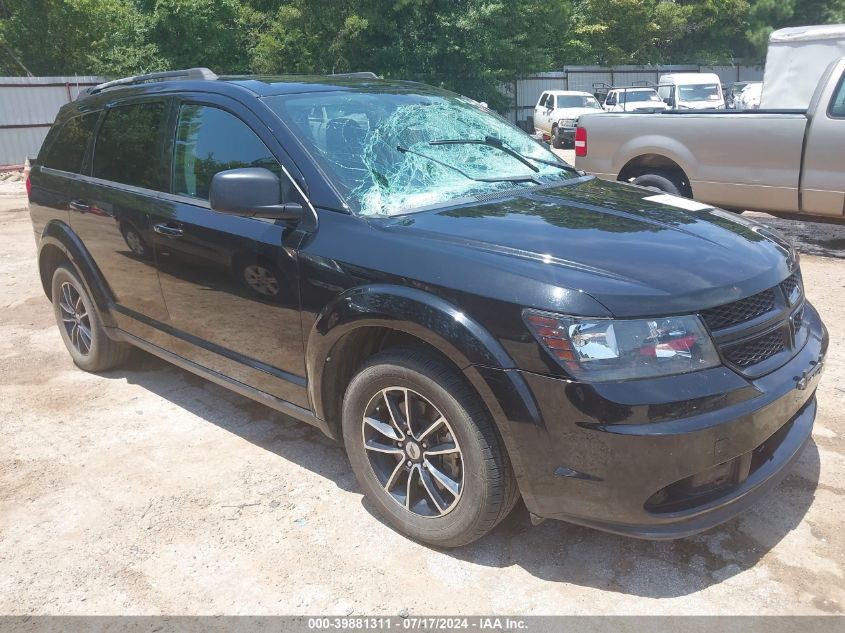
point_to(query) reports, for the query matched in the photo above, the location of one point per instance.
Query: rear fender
(58, 234)
(654, 144)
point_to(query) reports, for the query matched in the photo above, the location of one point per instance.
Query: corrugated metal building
(28, 107)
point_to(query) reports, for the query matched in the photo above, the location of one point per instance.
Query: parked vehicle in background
(749, 98)
(778, 161)
(732, 93)
(691, 91)
(473, 318)
(633, 100)
(796, 59)
(557, 111)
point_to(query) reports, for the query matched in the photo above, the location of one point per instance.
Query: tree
(192, 33)
(471, 46)
(607, 32)
(767, 15)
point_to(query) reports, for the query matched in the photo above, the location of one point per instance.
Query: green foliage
(473, 46)
(656, 31)
(767, 15)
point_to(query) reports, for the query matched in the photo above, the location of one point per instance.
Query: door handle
(168, 230)
(79, 205)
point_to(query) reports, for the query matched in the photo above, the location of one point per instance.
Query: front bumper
(669, 457)
(566, 134)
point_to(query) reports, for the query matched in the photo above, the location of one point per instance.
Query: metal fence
(525, 92)
(28, 106)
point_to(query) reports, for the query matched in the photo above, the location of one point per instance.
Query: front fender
(431, 319)
(59, 235)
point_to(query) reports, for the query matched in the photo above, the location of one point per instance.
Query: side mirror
(669, 101)
(253, 192)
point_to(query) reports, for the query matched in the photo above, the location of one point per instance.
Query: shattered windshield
(382, 150)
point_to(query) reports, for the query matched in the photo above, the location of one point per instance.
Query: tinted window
(837, 105)
(68, 150)
(543, 99)
(130, 146)
(209, 140)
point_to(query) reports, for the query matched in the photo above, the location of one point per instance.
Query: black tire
(663, 181)
(93, 351)
(557, 142)
(488, 490)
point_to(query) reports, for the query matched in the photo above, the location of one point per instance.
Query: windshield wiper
(492, 141)
(489, 141)
(406, 150)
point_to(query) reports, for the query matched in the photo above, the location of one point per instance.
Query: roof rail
(189, 73)
(364, 74)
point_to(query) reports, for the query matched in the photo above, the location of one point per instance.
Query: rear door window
(210, 140)
(130, 147)
(837, 104)
(68, 150)
(543, 100)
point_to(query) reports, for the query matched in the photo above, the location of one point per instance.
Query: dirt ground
(148, 490)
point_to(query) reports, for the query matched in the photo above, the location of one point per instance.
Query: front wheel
(424, 449)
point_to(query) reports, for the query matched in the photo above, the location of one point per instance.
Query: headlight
(600, 350)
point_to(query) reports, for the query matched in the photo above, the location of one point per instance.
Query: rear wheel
(670, 183)
(424, 450)
(80, 325)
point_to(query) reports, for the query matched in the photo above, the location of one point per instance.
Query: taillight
(580, 142)
(27, 167)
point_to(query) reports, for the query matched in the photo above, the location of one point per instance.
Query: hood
(634, 251)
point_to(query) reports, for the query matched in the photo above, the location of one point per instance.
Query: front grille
(792, 287)
(778, 312)
(739, 311)
(755, 350)
(798, 319)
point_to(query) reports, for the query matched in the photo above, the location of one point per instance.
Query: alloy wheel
(413, 452)
(75, 318)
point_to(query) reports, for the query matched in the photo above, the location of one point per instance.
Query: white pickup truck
(557, 111)
(782, 161)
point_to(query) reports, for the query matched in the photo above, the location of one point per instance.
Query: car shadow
(553, 551)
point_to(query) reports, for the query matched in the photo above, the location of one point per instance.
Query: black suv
(405, 270)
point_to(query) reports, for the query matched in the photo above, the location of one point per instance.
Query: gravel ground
(147, 490)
